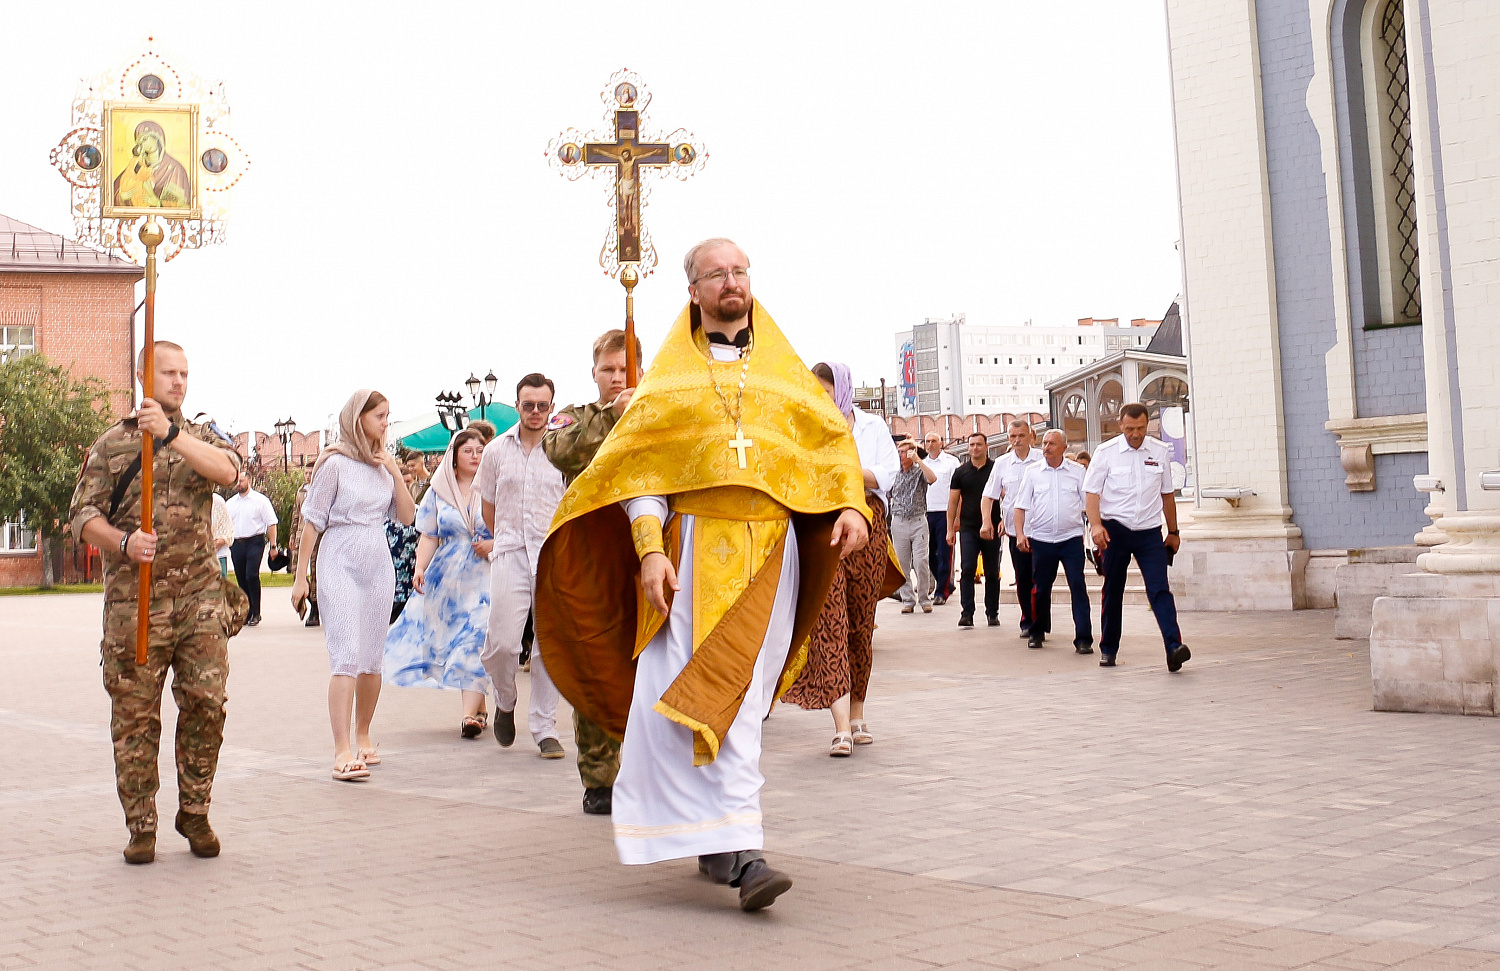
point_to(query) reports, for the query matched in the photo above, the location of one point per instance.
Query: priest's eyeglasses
(717, 277)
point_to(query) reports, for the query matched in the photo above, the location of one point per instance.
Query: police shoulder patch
(560, 420)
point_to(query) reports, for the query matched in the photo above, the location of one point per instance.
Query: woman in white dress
(357, 486)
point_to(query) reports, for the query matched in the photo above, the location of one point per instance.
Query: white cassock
(665, 808)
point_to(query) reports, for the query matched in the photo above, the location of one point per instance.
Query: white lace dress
(349, 503)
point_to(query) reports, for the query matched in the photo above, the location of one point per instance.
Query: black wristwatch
(167, 438)
(124, 540)
(1171, 532)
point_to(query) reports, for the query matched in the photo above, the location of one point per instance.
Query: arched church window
(1111, 399)
(1076, 419)
(1393, 197)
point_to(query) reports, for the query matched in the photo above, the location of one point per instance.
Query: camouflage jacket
(183, 511)
(574, 436)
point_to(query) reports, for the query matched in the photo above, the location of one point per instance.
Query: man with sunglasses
(520, 489)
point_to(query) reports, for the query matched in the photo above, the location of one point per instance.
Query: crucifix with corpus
(628, 158)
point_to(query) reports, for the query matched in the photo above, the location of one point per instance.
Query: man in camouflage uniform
(295, 539)
(573, 437)
(189, 617)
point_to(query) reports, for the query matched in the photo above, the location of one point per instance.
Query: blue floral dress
(437, 639)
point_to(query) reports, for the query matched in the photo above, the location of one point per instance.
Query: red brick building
(75, 305)
(304, 448)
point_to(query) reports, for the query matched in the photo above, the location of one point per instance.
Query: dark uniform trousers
(246, 554)
(1045, 558)
(971, 549)
(1021, 563)
(1150, 554)
(940, 554)
(187, 635)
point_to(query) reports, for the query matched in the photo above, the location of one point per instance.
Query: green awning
(434, 438)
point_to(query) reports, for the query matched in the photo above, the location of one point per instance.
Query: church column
(1435, 643)
(1246, 555)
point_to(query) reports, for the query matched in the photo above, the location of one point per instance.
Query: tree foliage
(280, 486)
(48, 420)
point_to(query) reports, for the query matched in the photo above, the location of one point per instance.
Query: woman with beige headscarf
(356, 487)
(437, 640)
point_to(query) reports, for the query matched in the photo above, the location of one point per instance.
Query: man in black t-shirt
(964, 522)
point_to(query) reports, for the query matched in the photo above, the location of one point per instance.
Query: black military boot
(200, 836)
(142, 847)
(599, 801)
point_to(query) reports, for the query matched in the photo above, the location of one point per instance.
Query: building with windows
(75, 305)
(1339, 173)
(950, 367)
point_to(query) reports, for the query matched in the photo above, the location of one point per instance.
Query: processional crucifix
(149, 142)
(627, 251)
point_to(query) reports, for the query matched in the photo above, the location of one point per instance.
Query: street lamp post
(451, 411)
(284, 431)
(482, 399)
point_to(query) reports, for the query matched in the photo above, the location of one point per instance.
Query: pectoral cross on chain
(739, 443)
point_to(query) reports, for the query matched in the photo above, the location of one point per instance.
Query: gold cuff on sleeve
(646, 532)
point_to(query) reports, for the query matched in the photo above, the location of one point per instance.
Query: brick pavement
(1019, 809)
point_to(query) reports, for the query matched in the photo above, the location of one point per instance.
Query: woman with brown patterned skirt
(837, 674)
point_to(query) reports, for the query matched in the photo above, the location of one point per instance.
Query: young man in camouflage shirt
(189, 618)
(573, 437)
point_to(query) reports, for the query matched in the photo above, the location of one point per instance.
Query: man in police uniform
(573, 437)
(1129, 492)
(189, 616)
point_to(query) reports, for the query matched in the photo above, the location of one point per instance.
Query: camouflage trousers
(312, 566)
(186, 635)
(598, 753)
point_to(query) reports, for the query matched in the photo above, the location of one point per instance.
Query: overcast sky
(400, 228)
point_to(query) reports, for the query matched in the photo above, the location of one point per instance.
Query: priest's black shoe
(200, 835)
(760, 885)
(1106, 660)
(600, 801)
(141, 848)
(505, 727)
(1176, 656)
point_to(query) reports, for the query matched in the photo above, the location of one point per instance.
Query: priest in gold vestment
(687, 565)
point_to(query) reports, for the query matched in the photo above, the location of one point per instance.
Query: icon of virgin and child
(151, 177)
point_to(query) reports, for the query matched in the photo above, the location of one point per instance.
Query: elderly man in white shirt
(1049, 525)
(939, 551)
(520, 489)
(1129, 492)
(1004, 484)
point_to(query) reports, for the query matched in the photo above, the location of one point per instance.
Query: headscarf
(843, 387)
(352, 439)
(445, 484)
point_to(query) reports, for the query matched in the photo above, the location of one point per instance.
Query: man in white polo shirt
(1004, 484)
(1129, 493)
(254, 531)
(1049, 525)
(939, 552)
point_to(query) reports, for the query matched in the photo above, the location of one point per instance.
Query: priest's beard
(729, 309)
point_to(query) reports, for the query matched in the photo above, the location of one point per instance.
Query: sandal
(370, 756)
(474, 725)
(351, 771)
(861, 733)
(843, 744)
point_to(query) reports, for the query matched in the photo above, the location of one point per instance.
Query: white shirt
(1131, 481)
(1052, 499)
(524, 487)
(1005, 482)
(942, 465)
(223, 526)
(252, 514)
(877, 451)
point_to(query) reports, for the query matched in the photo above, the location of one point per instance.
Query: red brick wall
(918, 426)
(25, 569)
(305, 447)
(84, 324)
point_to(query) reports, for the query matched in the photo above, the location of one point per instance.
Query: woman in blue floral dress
(436, 641)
